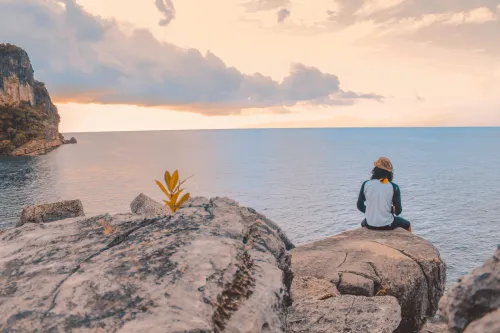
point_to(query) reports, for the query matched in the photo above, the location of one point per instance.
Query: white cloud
(475, 16)
(88, 59)
(371, 7)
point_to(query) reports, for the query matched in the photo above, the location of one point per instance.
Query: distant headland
(29, 121)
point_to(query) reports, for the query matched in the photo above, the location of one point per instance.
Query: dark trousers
(399, 222)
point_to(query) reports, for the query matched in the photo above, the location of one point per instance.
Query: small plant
(108, 229)
(173, 190)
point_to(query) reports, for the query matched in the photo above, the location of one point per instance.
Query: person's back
(380, 199)
(378, 203)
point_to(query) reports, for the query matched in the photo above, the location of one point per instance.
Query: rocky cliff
(213, 266)
(29, 122)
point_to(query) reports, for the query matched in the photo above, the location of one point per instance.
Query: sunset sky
(190, 64)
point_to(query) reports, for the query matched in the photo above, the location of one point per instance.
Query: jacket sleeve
(396, 200)
(362, 199)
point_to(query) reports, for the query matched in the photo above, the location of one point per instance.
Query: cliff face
(27, 115)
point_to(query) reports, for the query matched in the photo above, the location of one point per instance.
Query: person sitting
(382, 198)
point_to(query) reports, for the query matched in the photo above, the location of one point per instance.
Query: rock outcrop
(71, 141)
(317, 306)
(210, 267)
(144, 205)
(29, 121)
(51, 212)
(472, 304)
(371, 264)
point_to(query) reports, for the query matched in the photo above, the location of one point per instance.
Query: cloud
(166, 7)
(84, 58)
(371, 7)
(456, 24)
(262, 5)
(283, 14)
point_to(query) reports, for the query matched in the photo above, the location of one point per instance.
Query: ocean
(306, 180)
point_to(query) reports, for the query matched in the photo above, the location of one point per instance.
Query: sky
(114, 65)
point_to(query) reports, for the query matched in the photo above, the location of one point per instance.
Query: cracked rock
(346, 313)
(472, 303)
(212, 267)
(353, 284)
(397, 263)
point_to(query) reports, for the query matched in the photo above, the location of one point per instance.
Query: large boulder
(371, 263)
(215, 267)
(51, 212)
(472, 303)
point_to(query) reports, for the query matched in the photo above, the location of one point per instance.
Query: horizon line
(286, 128)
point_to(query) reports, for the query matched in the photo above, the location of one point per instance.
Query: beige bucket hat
(383, 163)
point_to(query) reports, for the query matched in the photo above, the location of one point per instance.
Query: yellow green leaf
(184, 198)
(173, 181)
(175, 196)
(167, 178)
(171, 205)
(163, 188)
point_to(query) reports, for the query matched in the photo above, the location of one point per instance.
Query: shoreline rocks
(37, 147)
(69, 142)
(368, 263)
(144, 205)
(213, 267)
(472, 305)
(51, 212)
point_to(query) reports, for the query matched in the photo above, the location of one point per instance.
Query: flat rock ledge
(213, 266)
(396, 274)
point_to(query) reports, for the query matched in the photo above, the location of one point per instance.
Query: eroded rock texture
(51, 212)
(144, 205)
(365, 263)
(211, 267)
(472, 304)
(318, 307)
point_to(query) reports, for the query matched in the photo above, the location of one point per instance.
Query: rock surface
(211, 267)
(490, 323)
(51, 212)
(22, 97)
(398, 264)
(317, 307)
(36, 147)
(435, 326)
(70, 141)
(473, 303)
(144, 205)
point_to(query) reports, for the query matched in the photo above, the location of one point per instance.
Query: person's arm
(362, 199)
(396, 200)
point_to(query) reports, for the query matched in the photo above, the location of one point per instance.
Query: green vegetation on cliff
(19, 124)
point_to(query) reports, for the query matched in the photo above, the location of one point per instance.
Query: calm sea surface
(306, 180)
